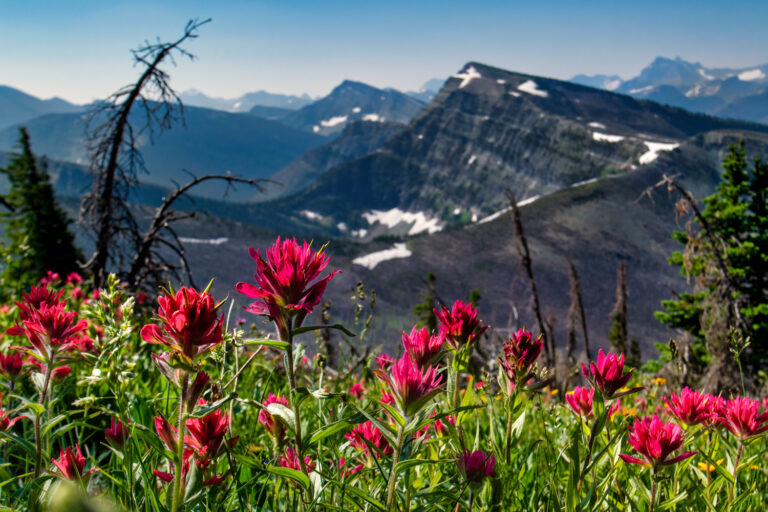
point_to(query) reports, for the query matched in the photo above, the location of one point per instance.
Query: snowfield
(334, 121)
(604, 137)
(531, 87)
(653, 150)
(399, 250)
(395, 216)
(209, 241)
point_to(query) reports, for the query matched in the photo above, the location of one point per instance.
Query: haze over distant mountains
(738, 93)
(403, 187)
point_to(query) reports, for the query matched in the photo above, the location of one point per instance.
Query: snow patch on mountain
(532, 87)
(596, 125)
(472, 159)
(751, 75)
(704, 75)
(647, 88)
(356, 110)
(467, 76)
(207, 241)
(653, 150)
(334, 121)
(604, 137)
(612, 85)
(311, 215)
(391, 218)
(399, 250)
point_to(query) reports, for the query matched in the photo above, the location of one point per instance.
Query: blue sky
(79, 49)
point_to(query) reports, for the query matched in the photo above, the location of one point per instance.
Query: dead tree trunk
(525, 259)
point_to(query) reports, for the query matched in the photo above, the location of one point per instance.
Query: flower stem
(178, 497)
(44, 403)
(653, 491)
(735, 469)
(392, 473)
(294, 407)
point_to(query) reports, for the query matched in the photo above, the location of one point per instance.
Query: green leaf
(204, 410)
(394, 413)
(354, 491)
(310, 328)
(406, 464)
(291, 474)
(517, 426)
(284, 413)
(282, 345)
(194, 485)
(333, 428)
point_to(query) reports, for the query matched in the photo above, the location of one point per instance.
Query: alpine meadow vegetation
(113, 402)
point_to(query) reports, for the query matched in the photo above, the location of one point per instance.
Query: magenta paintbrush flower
(411, 386)
(291, 460)
(369, 432)
(284, 281)
(207, 439)
(520, 354)
(6, 422)
(690, 407)
(71, 464)
(189, 325)
(275, 428)
(743, 418)
(11, 365)
(608, 374)
(116, 434)
(476, 466)
(51, 328)
(581, 401)
(460, 324)
(655, 441)
(422, 346)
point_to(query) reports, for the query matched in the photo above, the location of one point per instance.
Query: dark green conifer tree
(726, 255)
(36, 230)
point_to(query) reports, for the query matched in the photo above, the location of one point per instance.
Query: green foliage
(423, 310)
(737, 217)
(37, 237)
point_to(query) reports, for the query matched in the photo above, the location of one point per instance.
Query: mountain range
(426, 194)
(17, 107)
(738, 93)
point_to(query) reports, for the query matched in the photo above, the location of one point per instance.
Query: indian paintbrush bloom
(167, 433)
(369, 432)
(71, 464)
(11, 365)
(273, 425)
(422, 346)
(208, 433)
(284, 282)
(690, 407)
(357, 390)
(6, 422)
(655, 440)
(384, 362)
(347, 472)
(608, 374)
(51, 328)
(520, 354)
(460, 324)
(189, 325)
(476, 466)
(411, 386)
(581, 401)
(743, 418)
(291, 460)
(116, 434)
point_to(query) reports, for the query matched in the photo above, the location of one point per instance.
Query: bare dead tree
(115, 158)
(149, 261)
(525, 260)
(618, 336)
(721, 311)
(577, 307)
(116, 163)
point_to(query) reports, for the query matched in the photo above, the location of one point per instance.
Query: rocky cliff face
(488, 130)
